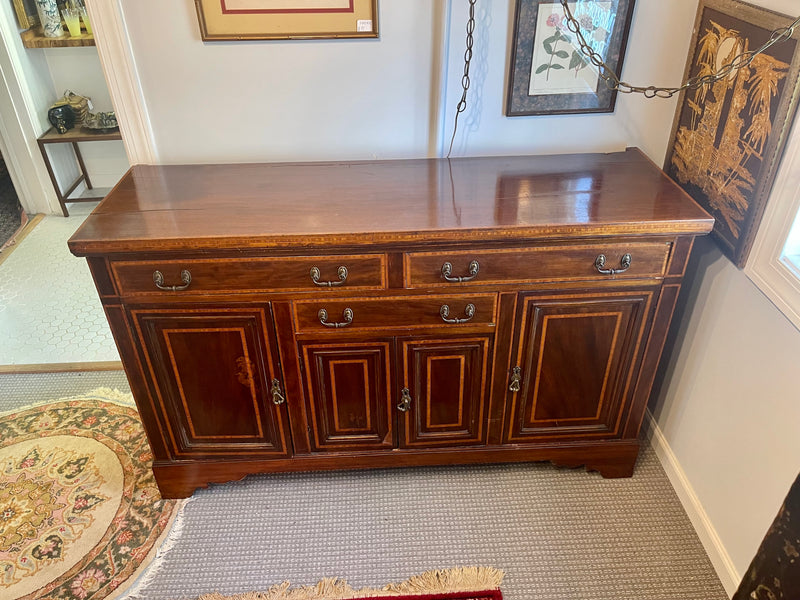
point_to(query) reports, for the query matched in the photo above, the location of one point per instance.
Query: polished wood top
(359, 204)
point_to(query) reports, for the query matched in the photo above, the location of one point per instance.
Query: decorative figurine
(61, 117)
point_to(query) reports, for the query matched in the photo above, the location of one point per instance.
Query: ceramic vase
(50, 18)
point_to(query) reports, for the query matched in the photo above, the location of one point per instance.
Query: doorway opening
(12, 216)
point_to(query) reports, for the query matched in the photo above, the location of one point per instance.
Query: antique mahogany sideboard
(281, 317)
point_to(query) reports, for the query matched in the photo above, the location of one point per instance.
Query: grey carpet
(17, 390)
(557, 533)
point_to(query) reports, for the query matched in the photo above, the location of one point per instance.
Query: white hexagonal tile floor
(49, 309)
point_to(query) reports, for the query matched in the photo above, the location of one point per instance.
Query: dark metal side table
(74, 136)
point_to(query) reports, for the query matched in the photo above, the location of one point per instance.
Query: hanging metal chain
(462, 104)
(613, 81)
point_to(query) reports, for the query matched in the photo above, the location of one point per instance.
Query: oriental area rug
(80, 514)
(461, 583)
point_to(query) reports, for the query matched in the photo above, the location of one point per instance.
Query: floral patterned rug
(80, 513)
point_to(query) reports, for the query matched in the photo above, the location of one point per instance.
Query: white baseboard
(719, 557)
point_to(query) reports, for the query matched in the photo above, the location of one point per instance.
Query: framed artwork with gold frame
(227, 20)
(26, 13)
(728, 137)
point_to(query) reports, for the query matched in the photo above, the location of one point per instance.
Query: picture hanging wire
(462, 104)
(608, 75)
(614, 83)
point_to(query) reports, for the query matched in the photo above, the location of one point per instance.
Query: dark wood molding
(612, 459)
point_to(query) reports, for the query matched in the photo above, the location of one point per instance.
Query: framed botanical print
(728, 137)
(549, 73)
(230, 20)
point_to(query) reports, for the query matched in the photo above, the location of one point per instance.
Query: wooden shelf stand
(73, 137)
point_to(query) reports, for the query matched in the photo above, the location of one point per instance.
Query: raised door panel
(213, 369)
(447, 382)
(348, 394)
(577, 356)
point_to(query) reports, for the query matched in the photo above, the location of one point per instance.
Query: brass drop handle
(444, 312)
(405, 400)
(347, 315)
(516, 379)
(315, 275)
(277, 397)
(600, 263)
(186, 279)
(447, 272)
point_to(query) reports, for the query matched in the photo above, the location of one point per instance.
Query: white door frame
(119, 67)
(18, 133)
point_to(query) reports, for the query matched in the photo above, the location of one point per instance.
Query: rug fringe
(440, 581)
(151, 571)
(112, 395)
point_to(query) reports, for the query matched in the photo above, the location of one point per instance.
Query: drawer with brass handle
(594, 261)
(394, 313)
(248, 275)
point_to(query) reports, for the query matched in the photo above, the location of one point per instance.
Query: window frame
(765, 266)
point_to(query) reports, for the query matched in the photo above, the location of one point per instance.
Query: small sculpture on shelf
(101, 122)
(70, 103)
(62, 118)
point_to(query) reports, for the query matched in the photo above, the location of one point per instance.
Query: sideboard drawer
(400, 312)
(248, 275)
(546, 263)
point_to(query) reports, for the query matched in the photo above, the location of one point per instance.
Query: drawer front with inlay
(401, 312)
(247, 275)
(596, 261)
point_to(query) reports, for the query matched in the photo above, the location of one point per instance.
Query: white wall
(483, 128)
(728, 406)
(348, 99)
(657, 48)
(354, 99)
(79, 70)
(730, 409)
(284, 100)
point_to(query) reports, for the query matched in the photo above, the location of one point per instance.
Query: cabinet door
(447, 382)
(577, 356)
(212, 370)
(348, 394)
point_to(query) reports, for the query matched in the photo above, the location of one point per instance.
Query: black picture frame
(530, 89)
